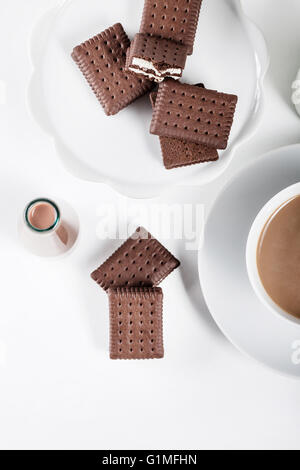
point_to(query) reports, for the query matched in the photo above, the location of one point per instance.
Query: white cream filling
(150, 75)
(145, 64)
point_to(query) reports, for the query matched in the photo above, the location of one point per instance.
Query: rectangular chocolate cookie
(136, 326)
(172, 19)
(179, 153)
(140, 261)
(193, 114)
(102, 61)
(156, 58)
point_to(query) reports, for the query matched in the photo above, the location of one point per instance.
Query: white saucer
(230, 55)
(248, 324)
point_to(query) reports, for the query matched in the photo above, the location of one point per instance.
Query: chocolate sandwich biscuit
(179, 153)
(102, 61)
(136, 326)
(156, 58)
(140, 261)
(172, 19)
(193, 114)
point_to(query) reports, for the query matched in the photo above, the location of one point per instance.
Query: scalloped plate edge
(76, 168)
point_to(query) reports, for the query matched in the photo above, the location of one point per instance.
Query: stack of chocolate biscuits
(166, 38)
(191, 122)
(130, 277)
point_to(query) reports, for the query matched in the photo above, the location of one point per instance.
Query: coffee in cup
(273, 254)
(278, 257)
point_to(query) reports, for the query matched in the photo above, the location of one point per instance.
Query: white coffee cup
(252, 245)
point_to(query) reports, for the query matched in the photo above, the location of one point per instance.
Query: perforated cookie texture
(193, 114)
(179, 153)
(163, 53)
(102, 60)
(140, 261)
(136, 329)
(172, 19)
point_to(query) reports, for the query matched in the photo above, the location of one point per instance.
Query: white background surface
(58, 388)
